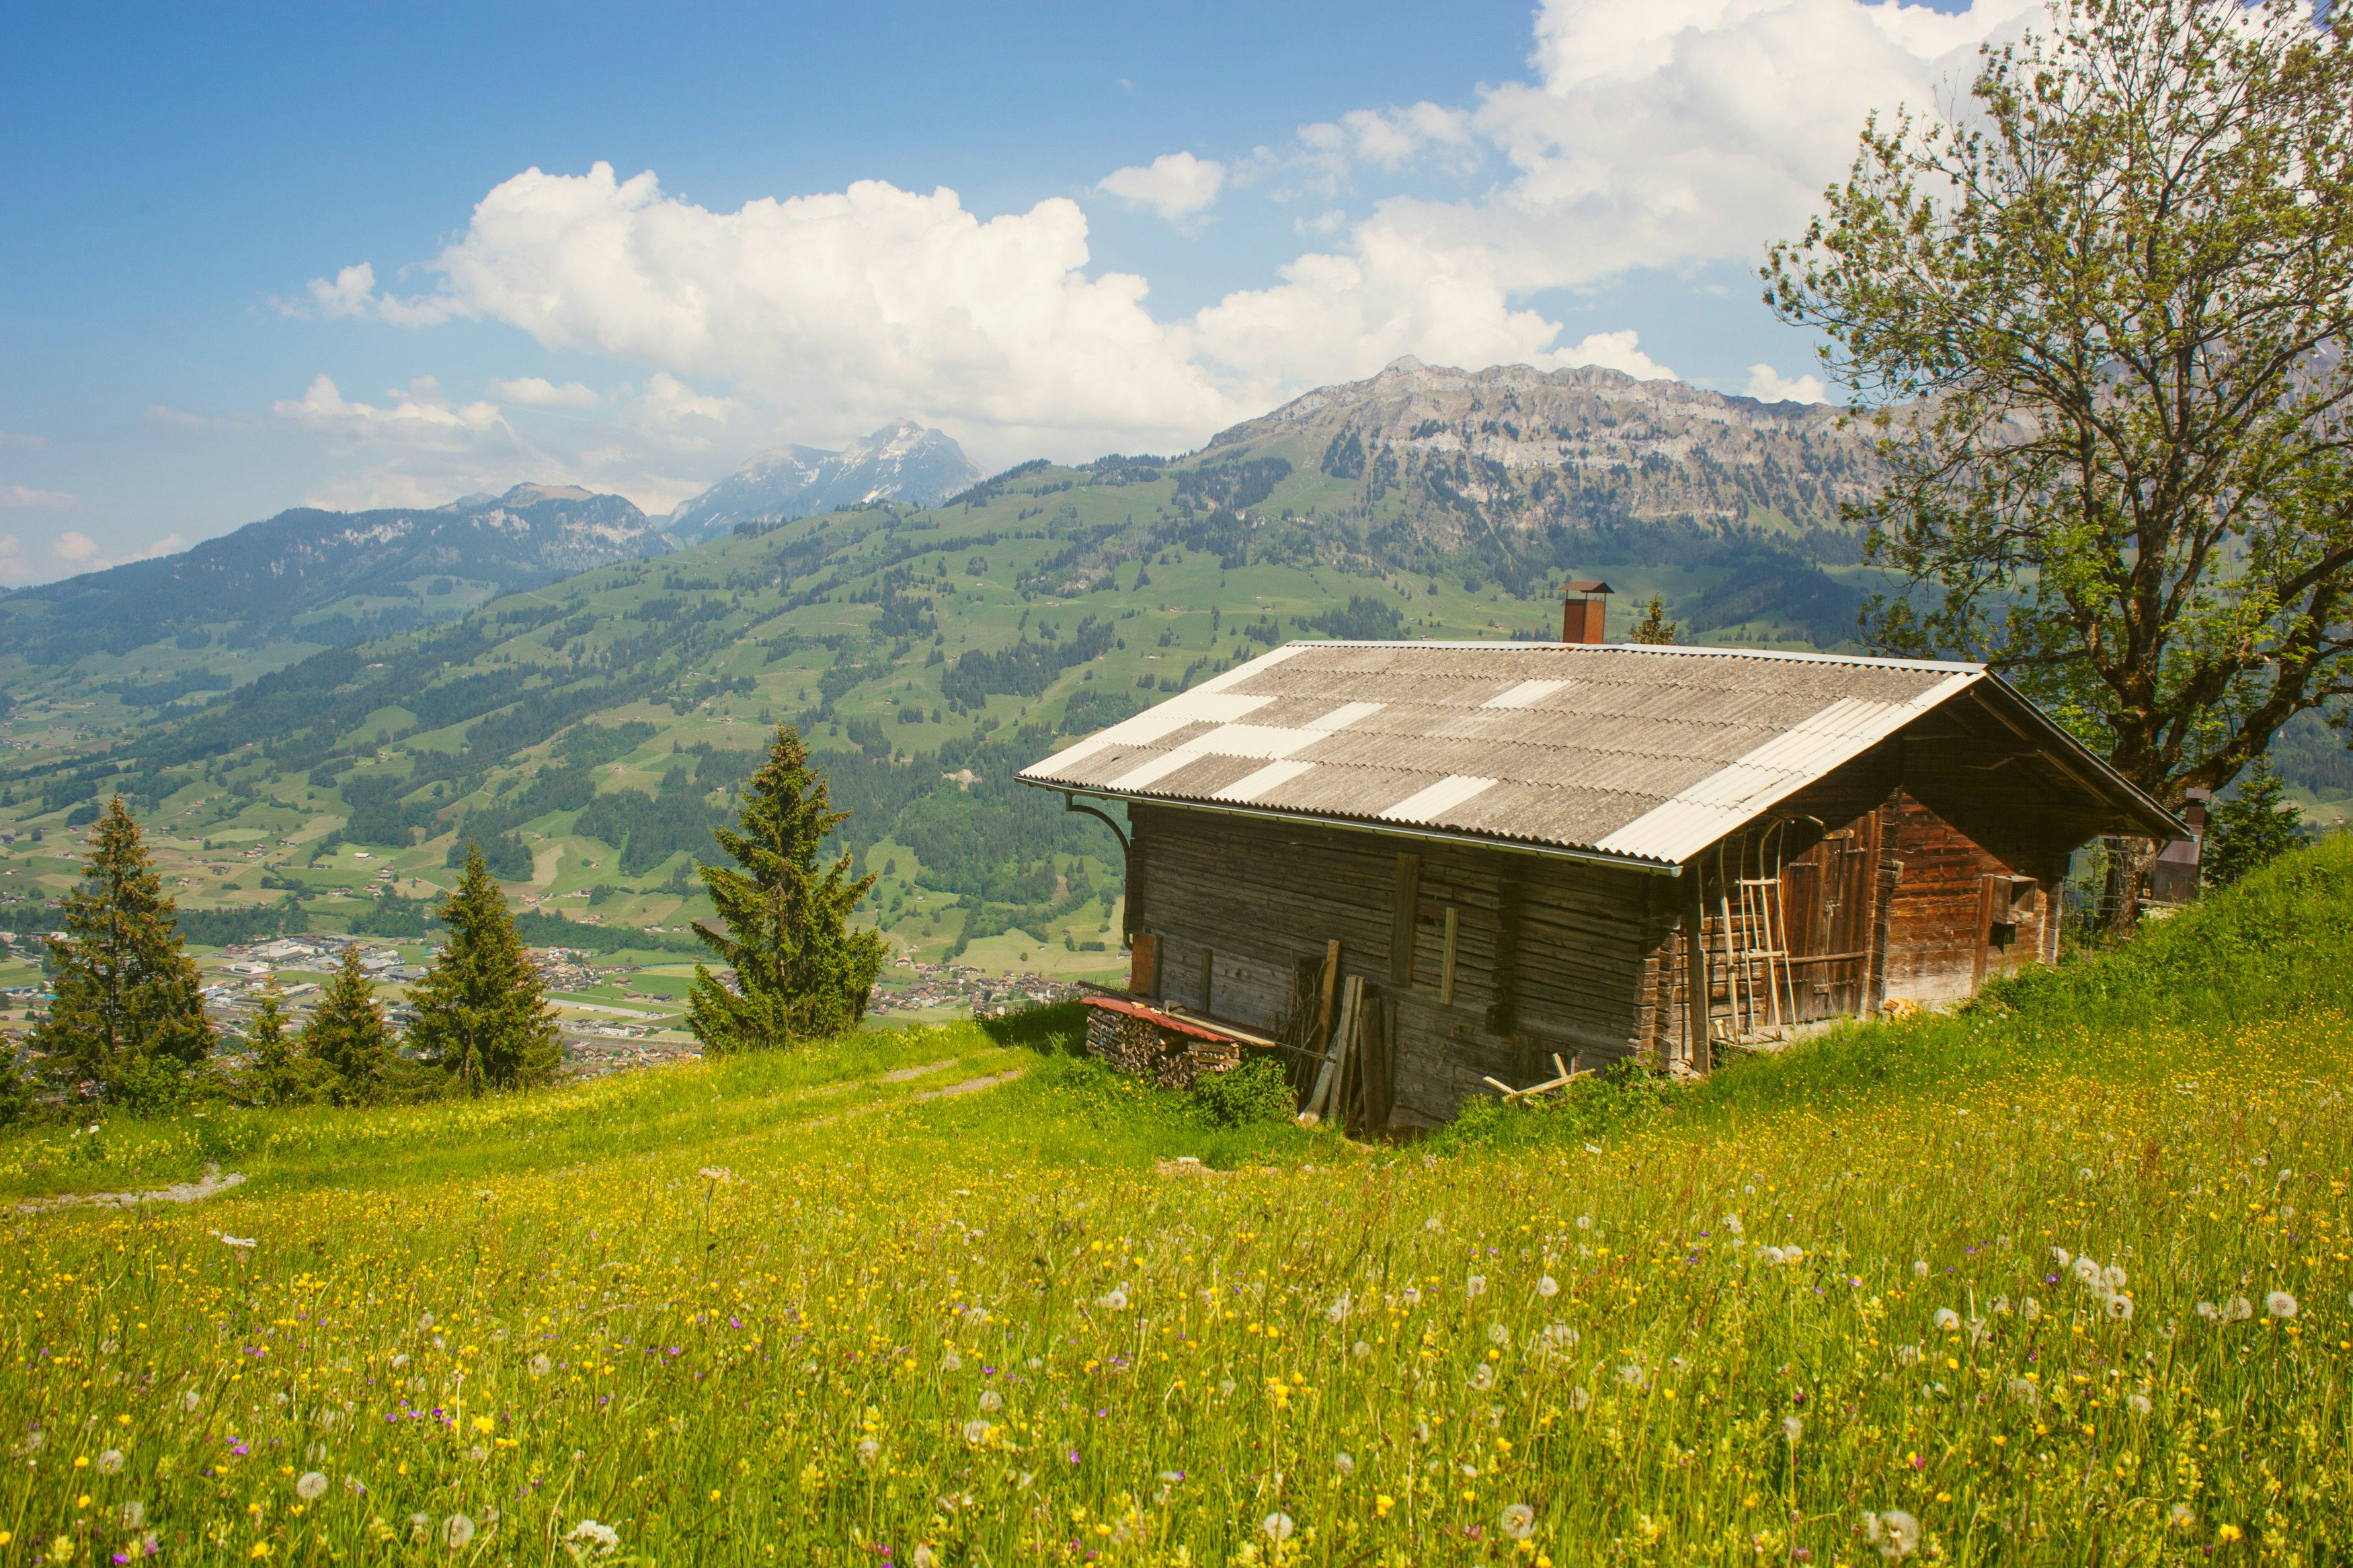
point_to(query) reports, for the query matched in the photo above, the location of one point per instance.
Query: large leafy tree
(481, 1010)
(347, 1034)
(2102, 314)
(128, 1006)
(800, 972)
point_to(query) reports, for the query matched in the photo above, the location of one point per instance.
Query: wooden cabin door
(1826, 895)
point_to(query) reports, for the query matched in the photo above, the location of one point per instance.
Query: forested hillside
(590, 732)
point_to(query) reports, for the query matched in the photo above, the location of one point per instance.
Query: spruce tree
(481, 1011)
(1654, 627)
(129, 1014)
(2255, 827)
(347, 1034)
(800, 973)
(279, 1073)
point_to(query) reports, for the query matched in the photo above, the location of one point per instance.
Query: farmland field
(2061, 1279)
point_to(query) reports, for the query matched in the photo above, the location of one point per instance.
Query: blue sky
(268, 256)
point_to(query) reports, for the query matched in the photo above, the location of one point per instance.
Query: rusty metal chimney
(1581, 616)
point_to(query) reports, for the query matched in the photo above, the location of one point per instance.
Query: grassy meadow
(2061, 1279)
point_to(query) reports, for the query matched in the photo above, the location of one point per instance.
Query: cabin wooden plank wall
(1960, 913)
(1549, 955)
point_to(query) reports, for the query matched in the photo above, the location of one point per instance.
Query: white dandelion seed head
(1732, 1222)
(2180, 1516)
(1482, 1377)
(867, 1450)
(190, 1400)
(951, 1363)
(1547, 1287)
(2240, 1310)
(1360, 1350)
(1581, 1398)
(2206, 1309)
(2001, 1306)
(1225, 1387)
(132, 1515)
(1475, 1286)
(2280, 1304)
(2139, 1404)
(1277, 1525)
(992, 1401)
(1792, 1428)
(2061, 1256)
(1631, 1374)
(457, 1531)
(109, 1462)
(1113, 1300)
(1585, 1222)
(311, 1486)
(1896, 1532)
(2025, 1391)
(1338, 1311)
(1497, 1333)
(1519, 1522)
(590, 1538)
(541, 1366)
(1344, 1464)
(1919, 1268)
(922, 1556)
(2087, 1272)
(2112, 1276)
(1434, 1224)
(1946, 1320)
(2119, 1308)
(2032, 1310)
(976, 1431)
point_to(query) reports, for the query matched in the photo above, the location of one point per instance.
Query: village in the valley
(615, 1014)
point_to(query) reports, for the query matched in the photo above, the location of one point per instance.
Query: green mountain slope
(590, 731)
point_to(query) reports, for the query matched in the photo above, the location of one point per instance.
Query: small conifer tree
(1654, 627)
(800, 973)
(279, 1072)
(481, 1010)
(128, 1009)
(2255, 827)
(347, 1034)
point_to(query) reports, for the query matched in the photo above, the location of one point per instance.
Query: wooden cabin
(1523, 853)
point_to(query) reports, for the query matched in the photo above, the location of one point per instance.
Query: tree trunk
(2128, 876)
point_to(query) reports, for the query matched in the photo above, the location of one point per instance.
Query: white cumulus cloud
(32, 500)
(75, 546)
(1176, 185)
(1770, 385)
(1660, 136)
(538, 392)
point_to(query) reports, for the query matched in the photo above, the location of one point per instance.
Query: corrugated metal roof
(1638, 753)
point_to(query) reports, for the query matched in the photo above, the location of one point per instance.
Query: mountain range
(318, 576)
(902, 462)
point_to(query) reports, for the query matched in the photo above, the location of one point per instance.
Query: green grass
(781, 1310)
